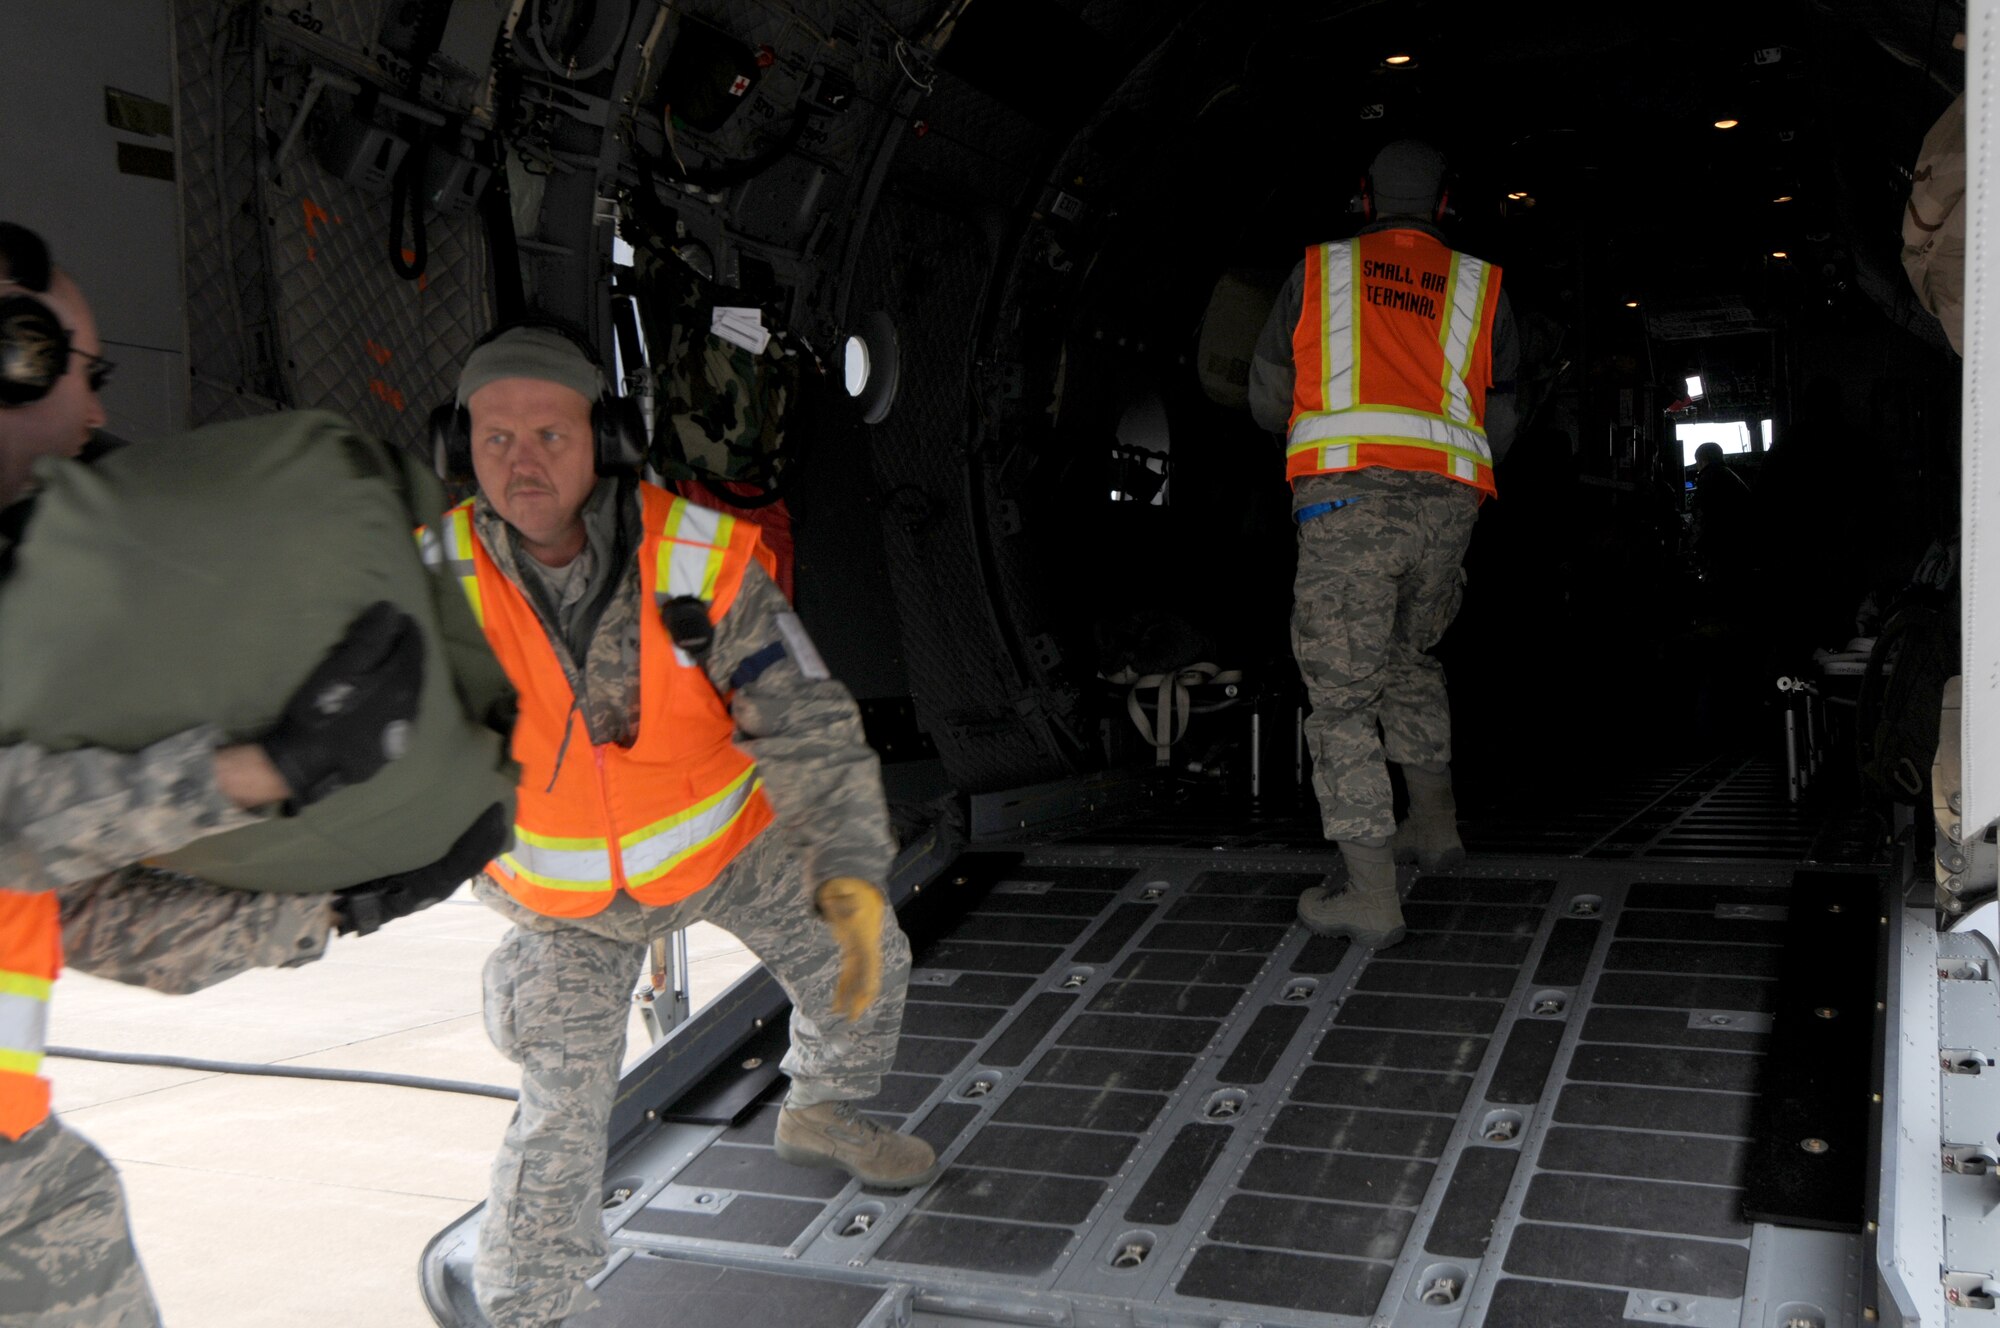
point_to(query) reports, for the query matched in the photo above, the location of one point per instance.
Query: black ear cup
(451, 443)
(34, 350)
(621, 435)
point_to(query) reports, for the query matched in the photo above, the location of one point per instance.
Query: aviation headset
(34, 345)
(617, 426)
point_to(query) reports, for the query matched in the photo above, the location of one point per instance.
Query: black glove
(361, 909)
(352, 716)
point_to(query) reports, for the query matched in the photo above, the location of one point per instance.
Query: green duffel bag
(200, 580)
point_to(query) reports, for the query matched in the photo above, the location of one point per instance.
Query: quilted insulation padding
(291, 297)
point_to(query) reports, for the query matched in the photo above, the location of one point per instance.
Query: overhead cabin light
(1398, 60)
(1631, 304)
(1779, 253)
(1518, 195)
(1727, 124)
(1782, 198)
(1694, 387)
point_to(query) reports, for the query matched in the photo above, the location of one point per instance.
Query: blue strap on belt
(1311, 510)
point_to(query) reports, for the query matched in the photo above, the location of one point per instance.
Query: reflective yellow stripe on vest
(691, 558)
(1465, 296)
(453, 552)
(652, 852)
(1335, 434)
(560, 864)
(24, 1021)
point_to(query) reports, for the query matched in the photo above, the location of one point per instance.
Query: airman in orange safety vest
(1387, 364)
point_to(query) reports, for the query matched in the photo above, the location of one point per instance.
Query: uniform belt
(1311, 510)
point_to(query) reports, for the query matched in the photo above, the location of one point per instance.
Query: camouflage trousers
(558, 999)
(66, 1255)
(1379, 581)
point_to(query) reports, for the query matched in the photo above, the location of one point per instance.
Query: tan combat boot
(837, 1136)
(1429, 837)
(1368, 909)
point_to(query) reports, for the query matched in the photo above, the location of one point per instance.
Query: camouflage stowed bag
(723, 408)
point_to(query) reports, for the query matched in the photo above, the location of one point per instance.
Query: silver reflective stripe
(24, 1024)
(559, 868)
(1460, 330)
(650, 853)
(697, 524)
(687, 569)
(430, 548)
(1365, 424)
(1337, 458)
(1337, 333)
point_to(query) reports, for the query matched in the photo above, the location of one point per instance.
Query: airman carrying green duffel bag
(200, 580)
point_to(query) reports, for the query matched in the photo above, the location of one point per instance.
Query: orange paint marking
(378, 352)
(386, 394)
(314, 214)
(423, 282)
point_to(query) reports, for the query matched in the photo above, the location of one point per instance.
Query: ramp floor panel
(1150, 1087)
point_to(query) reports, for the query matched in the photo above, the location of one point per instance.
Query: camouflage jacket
(804, 732)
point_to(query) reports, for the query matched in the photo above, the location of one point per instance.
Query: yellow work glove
(853, 908)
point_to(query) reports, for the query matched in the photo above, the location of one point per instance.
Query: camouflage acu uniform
(1378, 582)
(73, 822)
(558, 991)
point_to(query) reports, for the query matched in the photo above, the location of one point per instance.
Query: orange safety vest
(1394, 356)
(30, 958)
(659, 819)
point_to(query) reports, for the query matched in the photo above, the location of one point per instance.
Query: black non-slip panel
(921, 1019)
(1003, 1248)
(730, 1167)
(1164, 1197)
(1472, 1202)
(1665, 1028)
(1014, 1196)
(1686, 993)
(1525, 1061)
(1818, 1075)
(1705, 928)
(710, 1293)
(1567, 956)
(1640, 1205)
(1140, 1032)
(1441, 947)
(921, 1055)
(1310, 1227)
(971, 989)
(748, 1219)
(1382, 1089)
(1080, 1109)
(1178, 999)
(1112, 933)
(1051, 903)
(1262, 1045)
(1102, 1067)
(1420, 1014)
(1700, 898)
(1028, 1029)
(1518, 1304)
(1434, 979)
(1666, 1110)
(978, 957)
(902, 1093)
(944, 1123)
(1073, 878)
(1666, 1067)
(1180, 966)
(1657, 1263)
(1694, 1158)
(1283, 885)
(1284, 1281)
(1506, 920)
(1741, 961)
(1406, 1051)
(1346, 1130)
(1481, 890)
(1056, 1152)
(1214, 938)
(1234, 908)
(1391, 1182)
(1009, 929)
(1321, 954)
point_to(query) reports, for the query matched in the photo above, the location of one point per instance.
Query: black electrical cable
(285, 1071)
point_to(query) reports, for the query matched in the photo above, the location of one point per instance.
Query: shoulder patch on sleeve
(800, 647)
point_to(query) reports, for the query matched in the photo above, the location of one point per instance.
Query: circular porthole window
(857, 366)
(871, 367)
